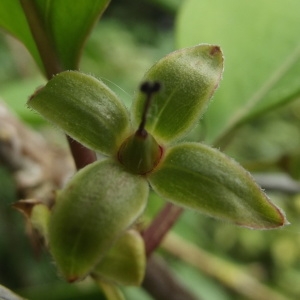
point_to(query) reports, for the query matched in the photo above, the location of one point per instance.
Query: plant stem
(160, 226)
(160, 283)
(82, 156)
(42, 40)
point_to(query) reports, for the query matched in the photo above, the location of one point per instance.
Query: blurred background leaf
(51, 21)
(262, 49)
(13, 20)
(56, 17)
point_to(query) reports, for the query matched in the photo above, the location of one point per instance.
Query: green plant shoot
(143, 149)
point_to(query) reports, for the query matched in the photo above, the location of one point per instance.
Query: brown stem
(81, 154)
(160, 283)
(154, 234)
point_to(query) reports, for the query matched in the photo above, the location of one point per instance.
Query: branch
(161, 283)
(160, 226)
(82, 155)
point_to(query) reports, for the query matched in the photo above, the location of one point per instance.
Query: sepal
(189, 78)
(202, 178)
(125, 263)
(99, 203)
(85, 108)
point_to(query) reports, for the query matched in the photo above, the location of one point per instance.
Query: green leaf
(189, 77)
(125, 263)
(85, 108)
(60, 27)
(99, 203)
(13, 95)
(67, 23)
(13, 20)
(260, 41)
(201, 178)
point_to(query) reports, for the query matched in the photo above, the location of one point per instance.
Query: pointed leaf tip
(199, 177)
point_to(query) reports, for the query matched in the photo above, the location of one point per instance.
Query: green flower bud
(140, 153)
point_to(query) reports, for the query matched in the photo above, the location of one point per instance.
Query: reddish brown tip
(73, 279)
(215, 50)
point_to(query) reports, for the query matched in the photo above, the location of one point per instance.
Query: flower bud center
(140, 153)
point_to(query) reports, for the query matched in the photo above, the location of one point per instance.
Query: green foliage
(262, 53)
(189, 77)
(91, 213)
(54, 31)
(13, 94)
(67, 24)
(206, 180)
(91, 102)
(10, 11)
(192, 175)
(125, 262)
(261, 36)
